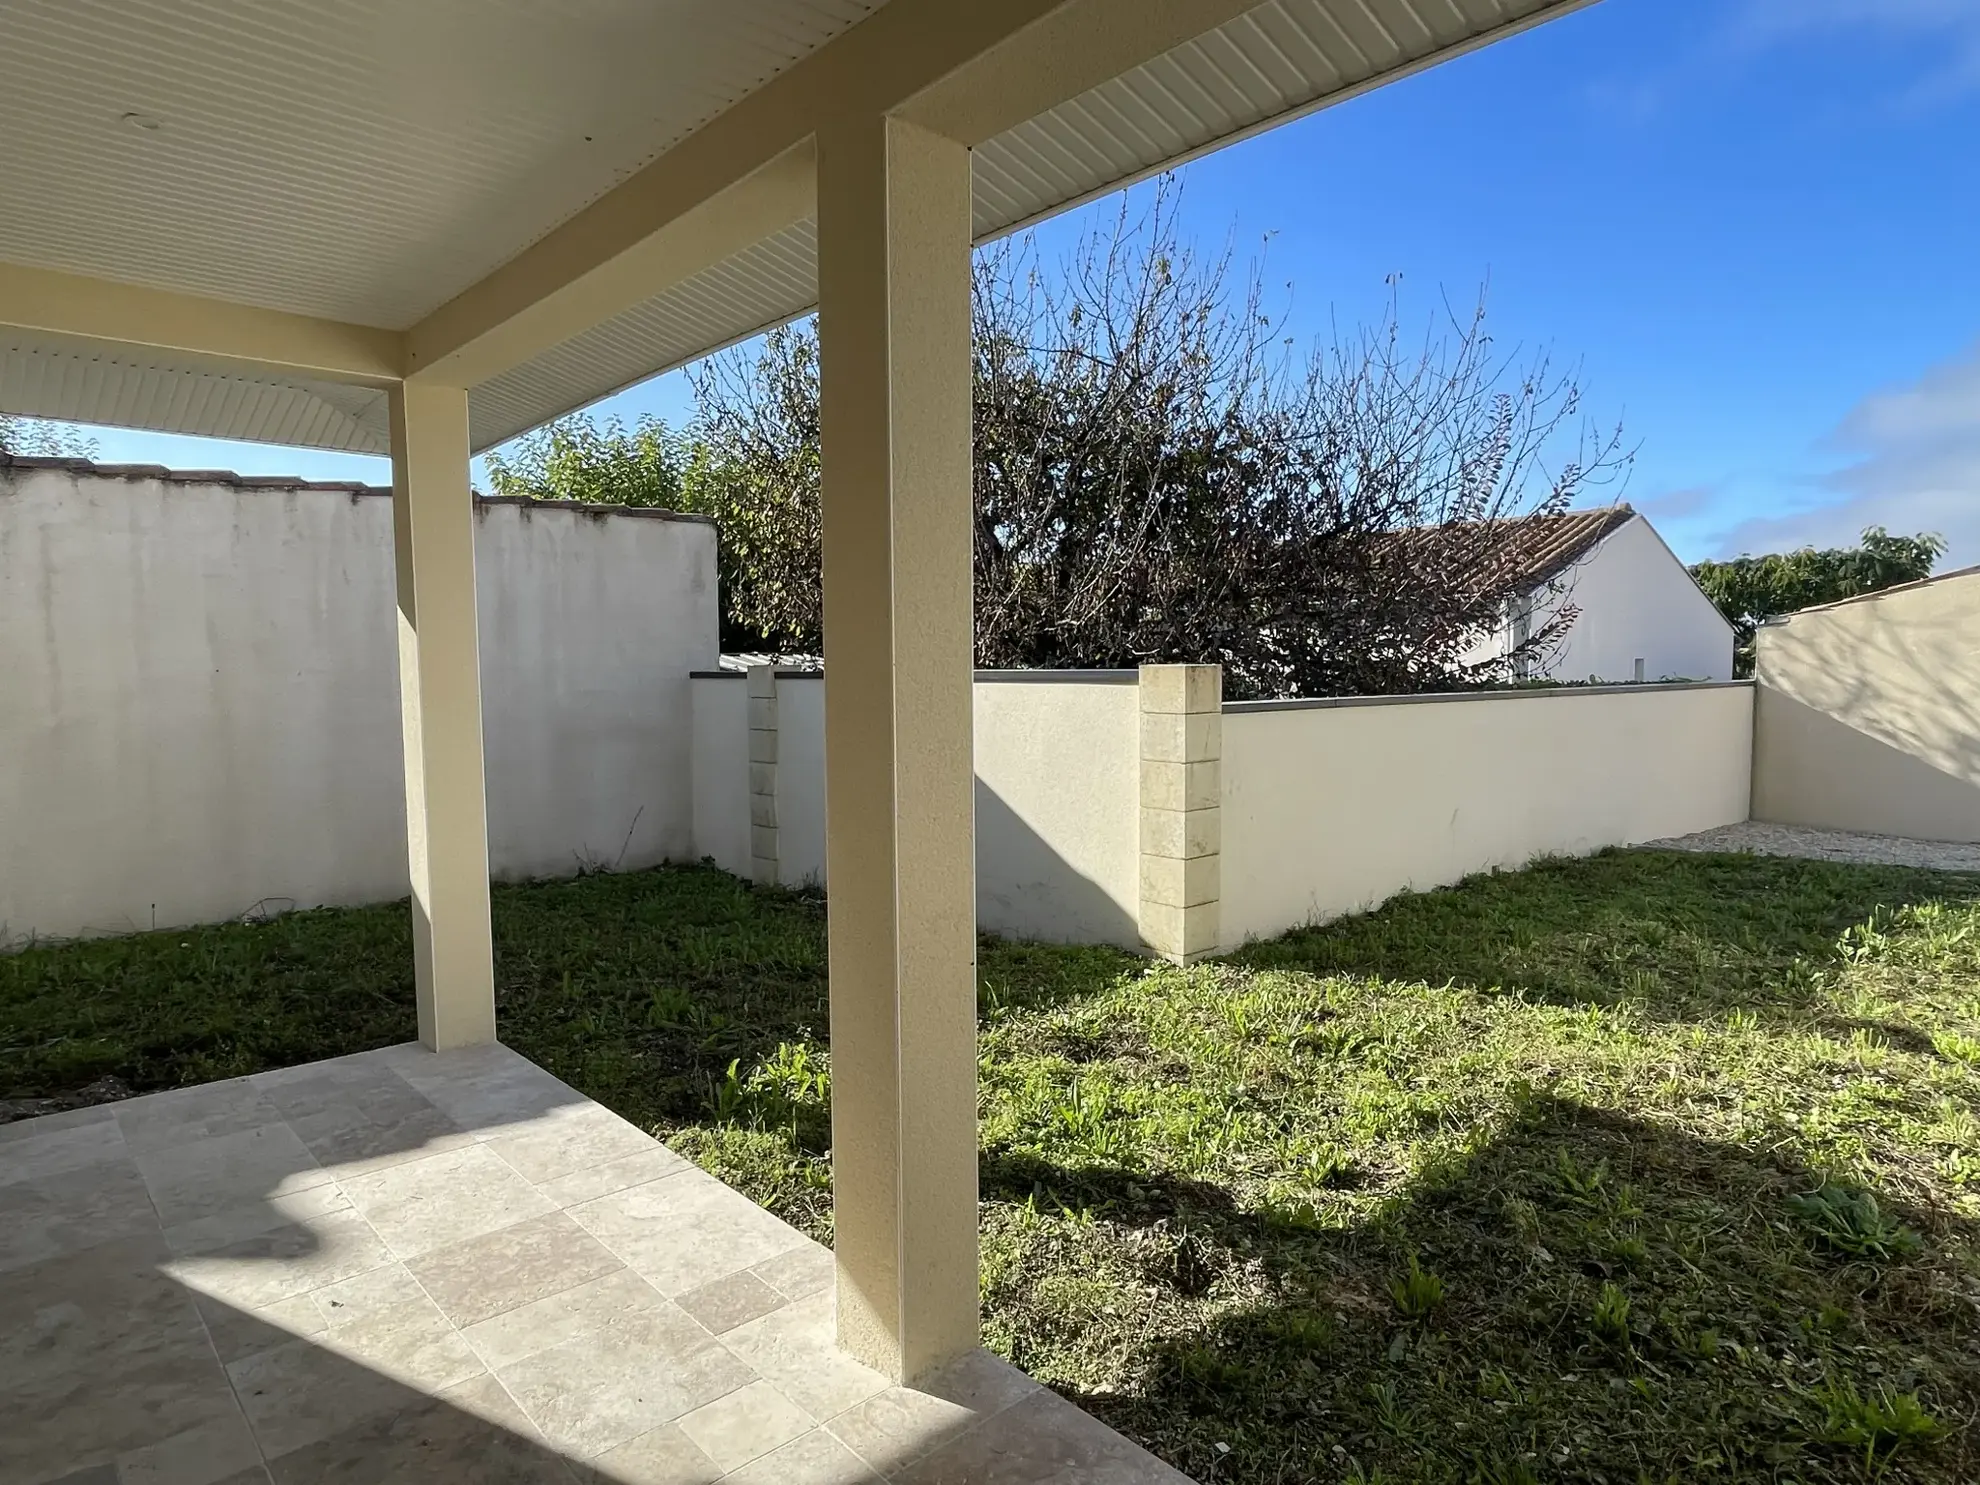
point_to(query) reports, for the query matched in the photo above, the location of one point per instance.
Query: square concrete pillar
(440, 710)
(1182, 730)
(894, 327)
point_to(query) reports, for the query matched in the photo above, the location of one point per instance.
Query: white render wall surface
(199, 704)
(1057, 795)
(1869, 713)
(1332, 807)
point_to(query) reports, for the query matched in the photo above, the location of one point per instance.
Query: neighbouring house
(1638, 613)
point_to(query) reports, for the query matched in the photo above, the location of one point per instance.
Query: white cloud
(1951, 27)
(1916, 467)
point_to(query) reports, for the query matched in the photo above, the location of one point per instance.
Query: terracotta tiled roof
(1564, 540)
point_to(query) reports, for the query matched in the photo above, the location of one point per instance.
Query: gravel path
(1830, 845)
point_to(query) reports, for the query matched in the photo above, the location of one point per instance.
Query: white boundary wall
(1330, 807)
(199, 698)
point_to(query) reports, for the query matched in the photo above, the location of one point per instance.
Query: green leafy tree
(652, 465)
(595, 464)
(1750, 590)
(34, 438)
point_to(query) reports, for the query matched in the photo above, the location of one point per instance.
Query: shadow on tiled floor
(404, 1267)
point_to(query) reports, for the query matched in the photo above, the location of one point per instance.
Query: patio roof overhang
(249, 226)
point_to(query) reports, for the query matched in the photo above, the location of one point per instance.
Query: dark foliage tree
(1160, 477)
(1750, 590)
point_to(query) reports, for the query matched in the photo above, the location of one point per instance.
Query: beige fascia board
(635, 242)
(190, 327)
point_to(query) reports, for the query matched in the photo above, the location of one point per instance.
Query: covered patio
(420, 231)
(406, 1265)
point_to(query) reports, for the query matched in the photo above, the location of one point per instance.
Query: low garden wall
(1332, 806)
(1134, 809)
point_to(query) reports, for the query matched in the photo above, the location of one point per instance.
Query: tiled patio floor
(400, 1266)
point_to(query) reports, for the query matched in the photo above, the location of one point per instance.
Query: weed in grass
(1608, 1319)
(1850, 1220)
(1879, 1424)
(1416, 1291)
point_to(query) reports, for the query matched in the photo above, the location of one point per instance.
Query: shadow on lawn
(1744, 1327)
(1682, 935)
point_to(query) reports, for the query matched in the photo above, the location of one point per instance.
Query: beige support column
(1182, 729)
(440, 707)
(763, 860)
(893, 280)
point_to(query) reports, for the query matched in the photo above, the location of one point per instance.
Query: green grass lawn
(1643, 1168)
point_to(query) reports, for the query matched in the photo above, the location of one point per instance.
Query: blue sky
(1755, 223)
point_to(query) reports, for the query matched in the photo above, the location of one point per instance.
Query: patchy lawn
(1645, 1168)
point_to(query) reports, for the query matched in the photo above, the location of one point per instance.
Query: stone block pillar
(1181, 810)
(763, 857)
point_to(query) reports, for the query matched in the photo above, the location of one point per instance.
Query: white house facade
(1639, 615)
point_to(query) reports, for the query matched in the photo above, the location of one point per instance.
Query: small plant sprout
(1880, 1424)
(1849, 1220)
(1416, 1291)
(1609, 1320)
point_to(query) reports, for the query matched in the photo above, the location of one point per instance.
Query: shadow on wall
(1868, 714)
(1026, 888)
(1812, 767)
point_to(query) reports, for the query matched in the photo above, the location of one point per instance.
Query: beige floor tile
(601, 1388)
(207, 1176)
(293, 1259)
(480, 1278)
(446, 1198)
(372, 1296)
(815, 1458)
(615, 1175)
(686, 1230)
(902, 1424)
(297, 1209)
(50, 1152)
(236, 1333)
(557, 1318)
(26, 1129)
(142, 1397)
(660, 1456)
(162, 1121)
(392, 1350)
(567, 1140)
(91, 1315)
(72, 1210)
(1044, 1437)
(727, 1303)
(473, 1434)
(799, 1273)
(211, 1452)
(793, 1347)
(484, 1089)
(745, 1425)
